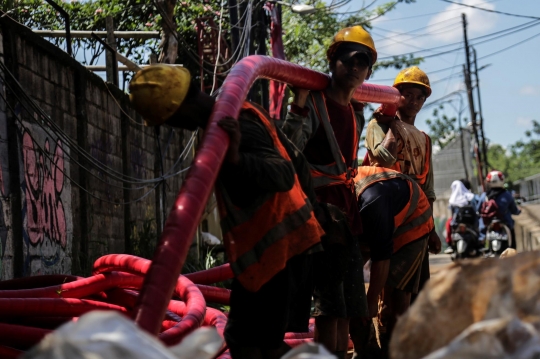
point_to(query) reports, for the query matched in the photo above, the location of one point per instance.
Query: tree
(521, 159)
(306, 38)
(442, 129)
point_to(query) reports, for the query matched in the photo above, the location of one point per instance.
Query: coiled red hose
(187, 210)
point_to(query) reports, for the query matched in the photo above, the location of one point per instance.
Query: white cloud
(478, 21)
(529, 91)
(395, 43)
(524, 121)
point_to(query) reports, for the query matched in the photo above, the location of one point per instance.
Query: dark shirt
(378, 205)
(317, 151)
(262, 171)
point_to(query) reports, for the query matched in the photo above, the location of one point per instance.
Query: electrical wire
(502, 33)
(492, 11)
(509, 47)
(431, 13)
(53, 163)
(214, 80)
(59, 133)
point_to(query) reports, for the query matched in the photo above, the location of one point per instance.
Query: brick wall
(59, 211)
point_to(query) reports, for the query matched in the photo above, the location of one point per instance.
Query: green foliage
(442, 129)
(90, 16)
(521, 159)
(144, 238)
(306, 38)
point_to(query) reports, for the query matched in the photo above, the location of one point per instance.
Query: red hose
(21, 337)
(215, 294)
(9, 353)
(51, 307)
(187, 210)
(212, 275)
(37, 281)
(79, 289)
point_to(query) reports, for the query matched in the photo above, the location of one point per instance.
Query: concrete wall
(527, 227)
(59, 211)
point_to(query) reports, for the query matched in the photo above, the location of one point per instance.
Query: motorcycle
(465, 242)
(499, 238)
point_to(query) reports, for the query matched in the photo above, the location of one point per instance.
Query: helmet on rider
(495, 179)
(353, 40)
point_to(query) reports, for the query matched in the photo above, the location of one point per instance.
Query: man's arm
(381, 143)
(298, 126)
(258, 161)
(377, 279)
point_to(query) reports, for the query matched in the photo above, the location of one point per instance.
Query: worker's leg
(424, 275)
(326, 331)
(257, 320)
(342, 338)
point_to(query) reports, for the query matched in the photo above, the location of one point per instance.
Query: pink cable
(193, 196)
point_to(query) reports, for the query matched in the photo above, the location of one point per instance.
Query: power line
(493, 11)
(509, 47)
(431, 13)
(505, 32)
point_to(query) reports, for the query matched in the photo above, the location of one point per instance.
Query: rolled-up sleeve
(375, 134)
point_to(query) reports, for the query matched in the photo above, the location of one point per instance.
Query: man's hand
(381, 118)
(434, 243)
(300, 97)
(232, 127)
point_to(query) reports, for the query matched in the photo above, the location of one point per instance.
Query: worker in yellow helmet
(395, 142)
(326, 126)
(266, 200)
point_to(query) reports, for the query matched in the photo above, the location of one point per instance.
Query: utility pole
(467, 74)
(484, 149)
(112, 63)
(261, 50)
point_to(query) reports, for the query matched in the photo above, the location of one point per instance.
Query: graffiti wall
(47, 222)
(5, 213)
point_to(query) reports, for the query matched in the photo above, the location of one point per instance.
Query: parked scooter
(499, 237)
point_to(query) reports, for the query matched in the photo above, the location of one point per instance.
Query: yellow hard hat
(157, 91)
(413, 75)
(354, 34)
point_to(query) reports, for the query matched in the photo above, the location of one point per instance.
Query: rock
(507, 338)
(465, 293)
(508, 252)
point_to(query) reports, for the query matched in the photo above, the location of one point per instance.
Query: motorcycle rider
(506, 205)
(461, 196)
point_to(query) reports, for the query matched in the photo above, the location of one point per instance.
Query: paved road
(438, 261)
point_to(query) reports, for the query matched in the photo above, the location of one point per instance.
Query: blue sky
(510, 86)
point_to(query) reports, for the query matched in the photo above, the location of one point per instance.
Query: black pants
(260, 319)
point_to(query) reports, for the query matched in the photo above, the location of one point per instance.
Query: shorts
(406, 266)
(339, 282)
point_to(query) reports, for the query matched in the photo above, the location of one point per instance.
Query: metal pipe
(76, 34)
(184, 217)
(65, 15)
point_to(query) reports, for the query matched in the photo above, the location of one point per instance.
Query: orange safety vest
(260, 240)
(419, 178)
(415, 220)
(337, 172)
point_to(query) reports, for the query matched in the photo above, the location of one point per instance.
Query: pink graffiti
(44, 185)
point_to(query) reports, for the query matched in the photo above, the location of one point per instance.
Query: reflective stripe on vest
(415, 220)
(337, 172)
(259, 240)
